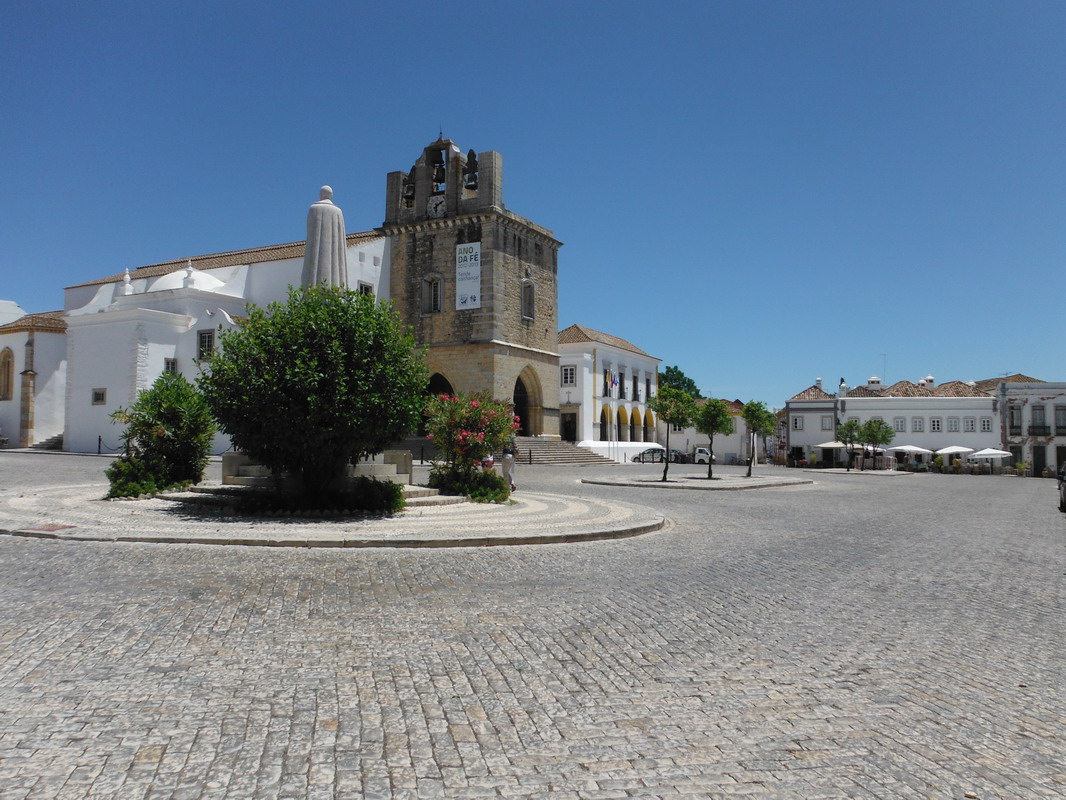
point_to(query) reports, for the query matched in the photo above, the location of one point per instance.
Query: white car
(701, 454)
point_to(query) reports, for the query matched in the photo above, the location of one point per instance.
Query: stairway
(534, 450)
(55, 443)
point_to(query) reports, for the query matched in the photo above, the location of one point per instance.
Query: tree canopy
(711, 418)
(761, 423)
(673, 407)
(849, 433)
(674, 378)
(307, 386)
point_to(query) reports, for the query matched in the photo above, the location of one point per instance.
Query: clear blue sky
(761, 193)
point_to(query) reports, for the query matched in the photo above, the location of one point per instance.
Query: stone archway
(623, 424)
(528, 402)
(633, 429)
(649, 426)
(605, 425)
(438, 384)
(521, 407)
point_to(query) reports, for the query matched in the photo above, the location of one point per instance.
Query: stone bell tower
(476, 282)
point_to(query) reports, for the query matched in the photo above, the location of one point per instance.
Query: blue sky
(761, 193)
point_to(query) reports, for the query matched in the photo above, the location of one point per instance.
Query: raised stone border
(77, 514)
(701, 483)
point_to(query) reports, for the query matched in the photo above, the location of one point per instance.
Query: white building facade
(923, 414)
(604, 386)
(33, 363)
(1034, 423)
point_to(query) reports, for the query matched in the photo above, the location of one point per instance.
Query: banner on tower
(467, 276)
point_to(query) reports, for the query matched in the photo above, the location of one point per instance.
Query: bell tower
(476, 282)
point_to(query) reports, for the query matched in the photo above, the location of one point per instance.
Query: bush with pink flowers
(466, 430)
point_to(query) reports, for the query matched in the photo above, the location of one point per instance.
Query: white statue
(325, 255)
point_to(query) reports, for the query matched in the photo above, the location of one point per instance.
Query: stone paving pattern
(846, 639)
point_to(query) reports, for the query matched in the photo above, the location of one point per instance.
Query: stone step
(54, 443)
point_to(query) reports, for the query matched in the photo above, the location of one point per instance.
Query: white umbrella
(953, 450)
(832, 445)
(910, 448)
(990, 452)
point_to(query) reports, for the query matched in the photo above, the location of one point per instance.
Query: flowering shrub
(466, 430)
(168, 436)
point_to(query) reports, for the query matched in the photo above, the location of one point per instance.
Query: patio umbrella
(955, 449)
(832, 445)
(990, 452)
(911, 448)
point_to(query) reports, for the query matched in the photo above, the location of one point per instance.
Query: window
(899, 424)
(647, 389)
(827, 423)
(205, 344)
(528, 305)
(1060, 422)
(606, 383)
(676, 428)
(170, 365)
(99, 397)
(636, 387)
(1038, 415)
(797, 423)
(365, 288)
(918, 425)
(935, 425)
(969, 424)
(569, 376)
(986, 424)
(7, 374)
(431, 303)
(953, 424)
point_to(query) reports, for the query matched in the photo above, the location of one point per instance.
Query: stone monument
(325, 255)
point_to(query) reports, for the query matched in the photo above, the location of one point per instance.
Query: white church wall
(10, 409)
(50, 364)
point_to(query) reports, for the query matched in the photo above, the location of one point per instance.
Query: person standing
(509, 452)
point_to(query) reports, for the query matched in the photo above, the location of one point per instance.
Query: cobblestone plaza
(856, 637)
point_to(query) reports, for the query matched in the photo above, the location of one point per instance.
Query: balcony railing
(1039, 430)
(1060, 430)
(1015, 430)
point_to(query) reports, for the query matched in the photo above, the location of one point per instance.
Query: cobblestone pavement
(846, 639)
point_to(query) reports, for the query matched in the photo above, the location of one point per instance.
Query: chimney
(873, 383)
(930, 382)
(818, 382)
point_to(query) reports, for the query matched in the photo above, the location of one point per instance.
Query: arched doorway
(633, 427)
(605, 425)
(649, 426)
(521, 408)
(623, 424)
(438, 384)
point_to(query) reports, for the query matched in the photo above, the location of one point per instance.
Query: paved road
(854, 638)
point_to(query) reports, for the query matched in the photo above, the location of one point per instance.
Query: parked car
(653, 455)
(701, 454)
(677, 457)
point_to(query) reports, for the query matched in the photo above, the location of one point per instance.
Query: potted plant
(938, 463)
(1020, 469)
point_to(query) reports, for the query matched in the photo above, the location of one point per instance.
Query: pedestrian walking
(509, 452)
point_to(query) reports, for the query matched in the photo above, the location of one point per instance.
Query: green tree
(676, 379)
(307, 386)
(466, 430)
(876, 433)
(850, 433)
(672, 407)
(168, 437)
(761, 423)
(713, 417)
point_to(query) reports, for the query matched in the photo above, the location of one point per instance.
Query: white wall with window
(606, 402)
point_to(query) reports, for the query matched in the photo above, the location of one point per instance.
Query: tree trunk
(710, 457)
(666, 455)
(751, 452)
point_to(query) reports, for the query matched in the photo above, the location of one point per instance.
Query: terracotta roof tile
(958, 389)
(812, 393)
(46, 321)
(576, 334)
(863, 391)
(254, 255)
(989, 384)
(905, 389)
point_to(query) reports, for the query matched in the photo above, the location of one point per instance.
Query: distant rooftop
(233, 258)
(576, 334)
